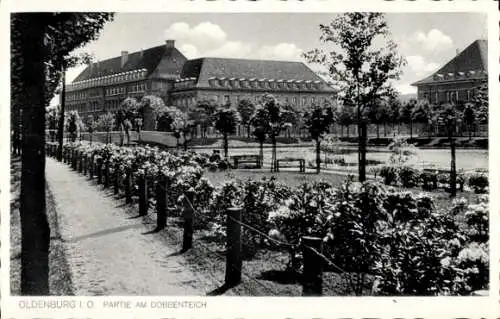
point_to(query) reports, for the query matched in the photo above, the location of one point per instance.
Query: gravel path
(107, 251)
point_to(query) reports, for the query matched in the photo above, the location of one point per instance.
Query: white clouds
(209, 39)
(419, 66)
(281, 51)
(206, 35)
(434, 40)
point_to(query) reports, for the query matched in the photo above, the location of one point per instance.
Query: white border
(266, 307)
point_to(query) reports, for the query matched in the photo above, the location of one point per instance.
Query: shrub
(479, 182)
(408, 176)
(389, 173)
(339, 160)
(429, 180)
(477, 218)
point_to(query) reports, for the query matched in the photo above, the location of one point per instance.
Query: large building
(456, 82)
(227, 81)
(163, 71)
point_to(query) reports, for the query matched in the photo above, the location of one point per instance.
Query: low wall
(163, 138)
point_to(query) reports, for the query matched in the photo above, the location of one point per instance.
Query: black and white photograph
(249, 154)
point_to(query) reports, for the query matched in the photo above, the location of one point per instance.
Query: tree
(448, 115)
(318, 121)
(382, 116)
(51, 118)
(421, 112)
(345, 117)
(246, 109)
(481, 103)
(394, 112)
(406, 114)
(260, 128)
(90, 126)
(106, 123)
(226, 121)
(35, 72)
(126, 115)
(74, 125)
(277, 117)
(202, 114)
(67, 62)
(155, 104)
(469, 118)
(181, 125)
(363, 69)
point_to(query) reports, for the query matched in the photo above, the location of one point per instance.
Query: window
(216, 98)
(313, 100)
(304, 100)
(468, 95)
(294, 100)
(226, 99)
(237, 98)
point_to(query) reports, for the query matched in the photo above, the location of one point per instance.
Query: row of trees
(41, 43)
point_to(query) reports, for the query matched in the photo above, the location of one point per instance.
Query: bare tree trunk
(362, 151)
(453, 171)
(226, 145)
(318, 158)
(60, 130)
(261, 153)
(35, 232)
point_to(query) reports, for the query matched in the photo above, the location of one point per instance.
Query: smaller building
(228, 81)
(457, 81)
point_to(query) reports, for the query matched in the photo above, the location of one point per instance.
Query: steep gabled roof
(205, 68)
(472, 58)
(148, 59)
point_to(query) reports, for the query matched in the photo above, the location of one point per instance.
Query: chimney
(170, 44)
(124, 58)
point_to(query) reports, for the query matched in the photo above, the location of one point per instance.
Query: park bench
(301, 163)
(460, 175)
(245, 159)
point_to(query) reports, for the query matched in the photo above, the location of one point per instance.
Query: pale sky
(426, 40)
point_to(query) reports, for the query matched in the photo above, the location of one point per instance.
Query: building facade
(457, 81)
(228, 81)
(163, 71)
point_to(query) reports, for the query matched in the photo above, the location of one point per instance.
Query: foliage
(318, 121)
(401, 151)
(367, 229)
(74, 124)
(481, 103)
(408, 176)
(389, 173)
(226, 121)
(246, 109)
(362, 69)
(479, 182)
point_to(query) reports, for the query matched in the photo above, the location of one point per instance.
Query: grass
(59, 275)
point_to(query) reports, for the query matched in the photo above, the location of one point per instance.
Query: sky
(426, 40)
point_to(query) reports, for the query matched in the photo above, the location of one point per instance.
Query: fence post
(91, 167)
(143, 196)
(80, 162)
(312, 280)
(106, 174)
(187, 240)
(128, 185)
(99, 170)
(161, 203)
(116, 179)
(85, 164)
(234, 259)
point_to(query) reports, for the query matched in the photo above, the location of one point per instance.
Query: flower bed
(370, 230)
